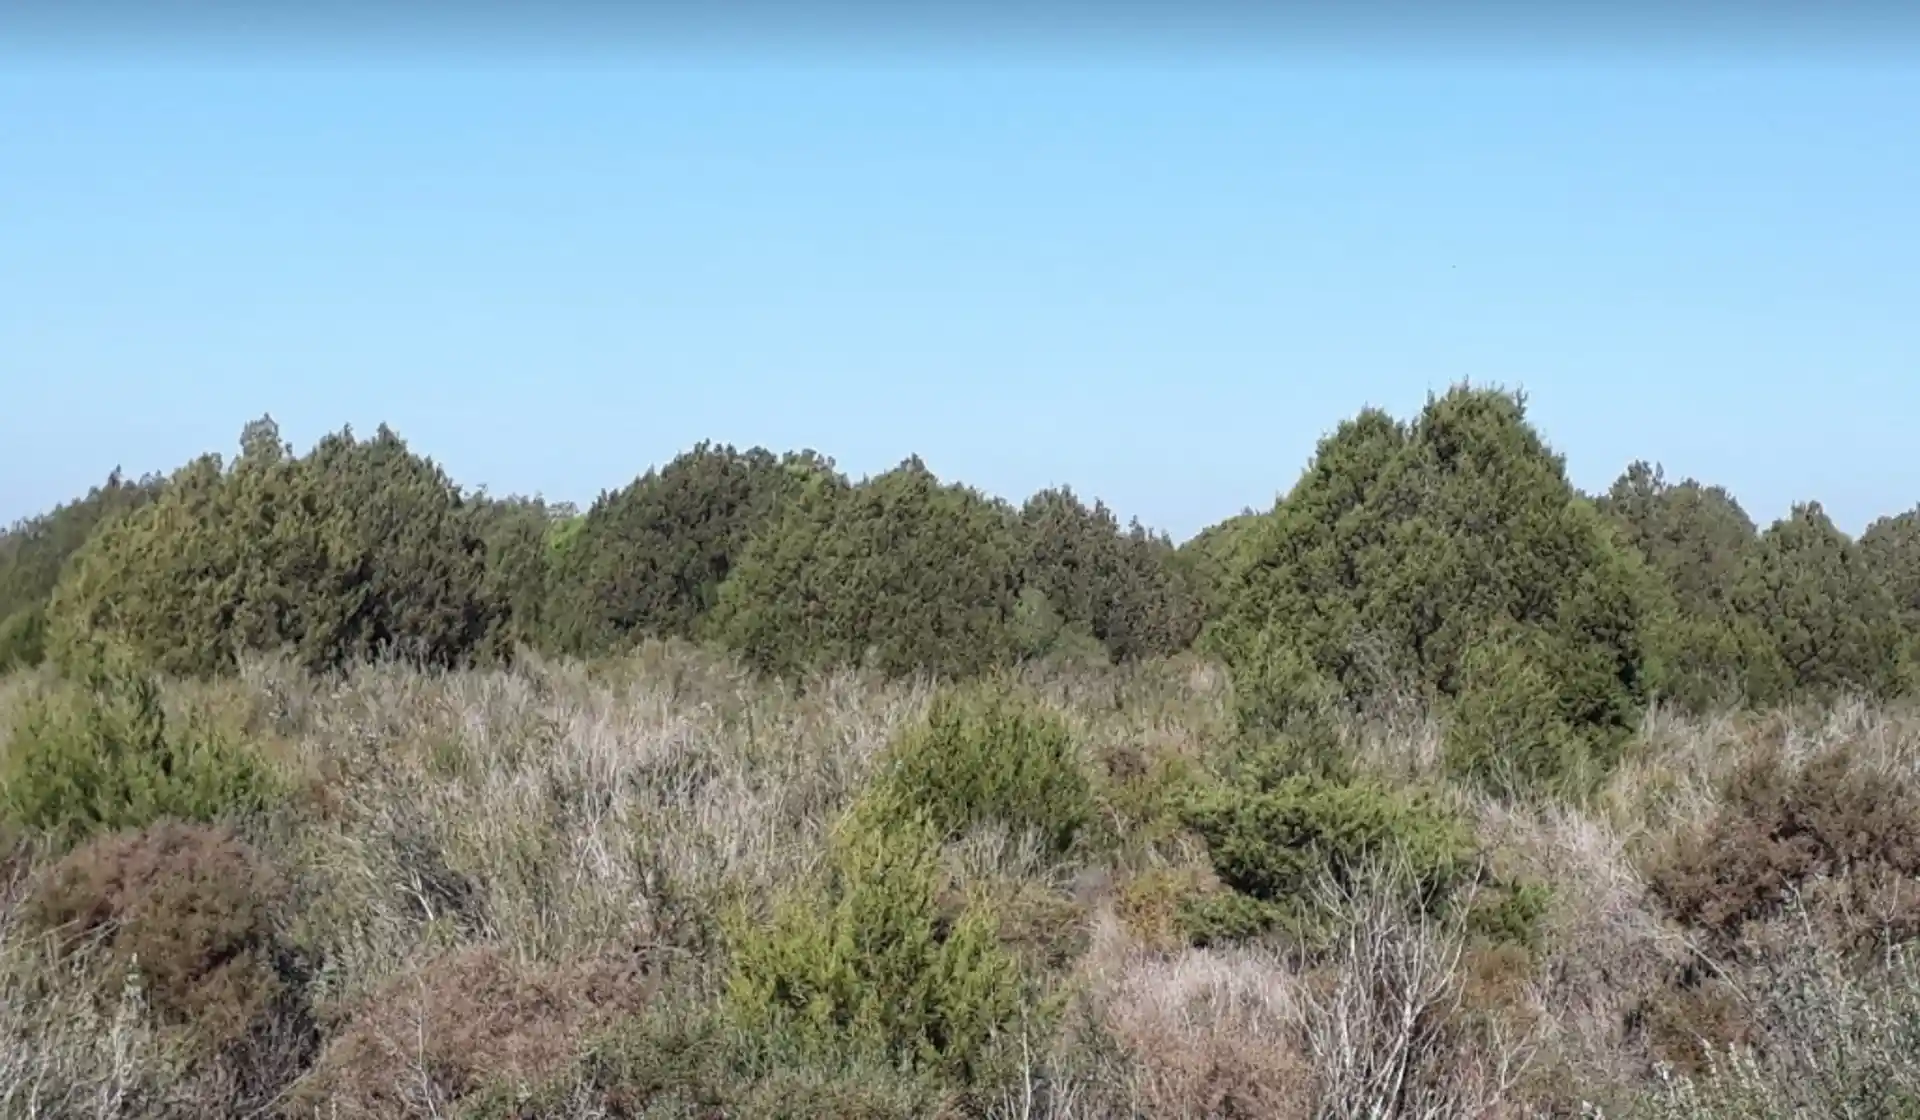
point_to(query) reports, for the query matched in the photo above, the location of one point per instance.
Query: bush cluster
(868, 968)
(102, 755)
(988, 754)
(1782, 829)
(189, 911)
(1405, 547)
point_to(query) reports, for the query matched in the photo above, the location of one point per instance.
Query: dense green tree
(518, 535)
(1404, 546)
(35, 551)
(1833, 625)
(360, 549)
(1120, 585)
(1207, 560)
(1697, 538)
(649, 559)
(899, 572)
(1890, 548)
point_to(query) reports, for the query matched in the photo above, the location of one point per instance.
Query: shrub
(1279, 842)
(1832, 624)
(23, 638)
(190, 910)
(1404, 546)
(869, 968)
(901, 573)
(359, 549)
(427, 1042)
(987, 754)
(1119, 585)
(648, 560)
(675, 1062)
(103, 756)
(1779, 828)
(1508, 731)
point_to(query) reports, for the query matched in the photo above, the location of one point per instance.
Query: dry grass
(470, 849)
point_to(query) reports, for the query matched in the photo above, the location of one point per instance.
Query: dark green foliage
(23, 638)
(1121, 585)
(1890, 549)
(102, 755)
(1697, 538)
(899, 573)
(869, 969)
(1832, 625)
(518, 536)
(1404, 547)
(34, 552)
(649, 559)
(987, 754)
(1695, 535)
(1277, 842)
(360, 549)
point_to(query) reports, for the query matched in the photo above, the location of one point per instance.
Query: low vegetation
(329, 789)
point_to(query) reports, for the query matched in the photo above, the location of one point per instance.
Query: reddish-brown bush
(187, 907)
(1835, 821)
(466, 1021)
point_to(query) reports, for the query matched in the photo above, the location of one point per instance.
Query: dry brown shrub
(467, 1020)
(1836, 819)
(1211, 1033)
(189, 907)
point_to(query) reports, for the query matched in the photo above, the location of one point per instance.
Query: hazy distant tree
(35, 551)
(1834, 626)
(899, 572)
(649, 559)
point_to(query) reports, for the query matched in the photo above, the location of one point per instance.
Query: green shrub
(647, 560)
(989, 754)
(102, 756)
(1277, 843)
(869, 968)
(1404, 546)
(23, 638)
(1508, 733)
(1830, 620)
(359, 549)
(902, 573)
(1118, 585)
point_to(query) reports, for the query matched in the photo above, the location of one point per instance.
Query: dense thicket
(1442, 559)
(1410, 552)
(1698, 539)
(900, 572)
(359, 549)
(649, 559)
(34, 552)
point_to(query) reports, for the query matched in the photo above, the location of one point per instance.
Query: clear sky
(1160, 283)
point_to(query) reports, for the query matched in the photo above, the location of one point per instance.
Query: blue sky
(1158, 283)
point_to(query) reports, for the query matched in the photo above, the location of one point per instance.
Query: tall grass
(577, 823)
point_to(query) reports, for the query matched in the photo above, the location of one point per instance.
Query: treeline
(1444, 559)
(362, 548)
